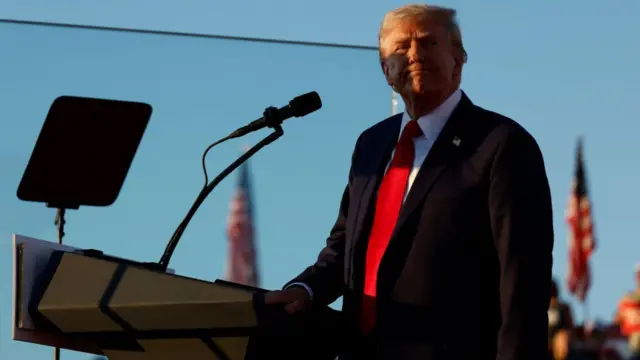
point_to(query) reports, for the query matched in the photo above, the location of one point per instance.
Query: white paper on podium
(35, 256)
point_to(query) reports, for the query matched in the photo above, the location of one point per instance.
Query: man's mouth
(412, 72)
(417, 70)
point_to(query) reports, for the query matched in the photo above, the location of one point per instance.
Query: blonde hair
(417, 12)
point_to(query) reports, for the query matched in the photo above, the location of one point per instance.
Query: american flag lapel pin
(456, 141)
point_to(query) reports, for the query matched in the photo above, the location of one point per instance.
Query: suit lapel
(379, 153)
(446, 147)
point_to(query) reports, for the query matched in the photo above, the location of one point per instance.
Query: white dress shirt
(431, 126)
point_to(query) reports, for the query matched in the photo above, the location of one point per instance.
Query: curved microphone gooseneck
(173, 242)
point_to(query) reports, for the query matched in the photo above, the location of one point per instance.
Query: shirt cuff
(303, 285)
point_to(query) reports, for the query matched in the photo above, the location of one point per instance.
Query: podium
(88, 301)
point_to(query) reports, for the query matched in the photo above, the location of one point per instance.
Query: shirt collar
(432, 123)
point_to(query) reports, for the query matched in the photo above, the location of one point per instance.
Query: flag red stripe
(242, 264)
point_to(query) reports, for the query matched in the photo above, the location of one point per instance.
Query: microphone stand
(173, 242)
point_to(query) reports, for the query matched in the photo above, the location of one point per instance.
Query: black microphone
(300, 106)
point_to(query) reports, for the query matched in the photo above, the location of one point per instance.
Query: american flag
(242, 264)
(581, 236)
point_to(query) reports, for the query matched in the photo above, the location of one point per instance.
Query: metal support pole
(59, 222)
(394, 103)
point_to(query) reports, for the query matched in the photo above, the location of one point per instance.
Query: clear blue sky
(559, 68)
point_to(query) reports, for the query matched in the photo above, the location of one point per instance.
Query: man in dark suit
(442, 246)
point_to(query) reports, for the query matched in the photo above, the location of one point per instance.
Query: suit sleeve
(325, 277)
(522, 226)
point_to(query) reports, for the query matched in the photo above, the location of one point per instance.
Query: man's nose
(416, 53)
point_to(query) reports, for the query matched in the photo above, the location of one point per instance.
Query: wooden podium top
(101, 306)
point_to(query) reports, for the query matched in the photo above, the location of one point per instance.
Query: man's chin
(422, 90)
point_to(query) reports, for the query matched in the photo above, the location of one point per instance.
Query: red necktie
(390, 198)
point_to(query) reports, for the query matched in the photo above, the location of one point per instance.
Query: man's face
(419, 58)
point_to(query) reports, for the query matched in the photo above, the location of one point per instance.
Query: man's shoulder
(502, 125)
(382, 127)
(500, 129)
(372, 135)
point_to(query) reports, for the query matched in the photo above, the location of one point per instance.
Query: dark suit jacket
(467, 272)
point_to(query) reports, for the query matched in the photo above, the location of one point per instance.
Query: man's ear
(458, 57)
(385, 71)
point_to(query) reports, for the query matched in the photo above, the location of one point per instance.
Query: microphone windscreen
(305, 104)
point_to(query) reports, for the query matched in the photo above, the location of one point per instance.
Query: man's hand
(295, 299)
